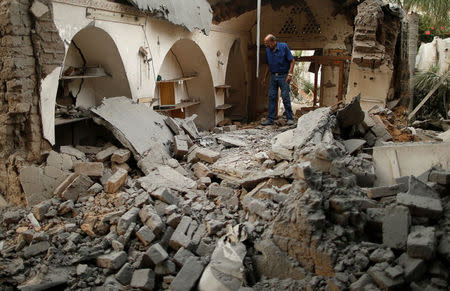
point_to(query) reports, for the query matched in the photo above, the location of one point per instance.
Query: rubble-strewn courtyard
(240, 208)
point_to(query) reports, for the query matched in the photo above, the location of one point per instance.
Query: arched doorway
(237, 95)
(186, 67)
(93, 70)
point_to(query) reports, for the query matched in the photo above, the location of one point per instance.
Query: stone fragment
(394, 272)
(368, 121)
(413, 268)
(38, 9)
(120, 156)
(386, 191)
(383, 281)
(302, 170)
(105, 154)
(36, 249)
(150, 217)
(66, 207)
(64, 184)
(440, 177)
(188, 276)
(229, 141)
(220, 191)
(60, 161)
(382, 255)
(201, 170)
(94, 169)
(143, 279)
(124, 275)
(213, 226)
(112, 261)
(361, 283)
(79, 186)
(157, 254)
(41, 209)
(116, 181)
(182, 255)
(422, 242)
(180, 237)
(180, 147)
(174, 219)
(424, 206)
(115, 167)
(351, 114)
(353, 145)
(165, 195)
(145, 235)
(82, 269)
(125, 220)
(71, 151)
(207, 155)
(165, 268)
(396, 224)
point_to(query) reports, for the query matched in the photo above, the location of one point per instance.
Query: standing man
(281, 66)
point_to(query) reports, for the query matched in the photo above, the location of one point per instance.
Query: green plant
(424, 82)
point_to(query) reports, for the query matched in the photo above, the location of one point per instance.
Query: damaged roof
(189, 14)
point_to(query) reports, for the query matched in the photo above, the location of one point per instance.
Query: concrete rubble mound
(238, 208)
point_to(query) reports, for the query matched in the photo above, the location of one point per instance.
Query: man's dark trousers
(279, 81)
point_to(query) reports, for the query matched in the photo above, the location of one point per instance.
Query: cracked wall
(30, 48)
(372, 70)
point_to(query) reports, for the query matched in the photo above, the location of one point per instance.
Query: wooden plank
(223, 87)
(341, 80)
(316, 77)
(167, 93)
(177, 106)
(223, 106)
(443, 78)
(322, 58)
(145, 100)
(187, 78)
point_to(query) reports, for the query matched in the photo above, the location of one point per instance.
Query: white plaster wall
(158, 36)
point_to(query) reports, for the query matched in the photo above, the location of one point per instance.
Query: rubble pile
(234, 209)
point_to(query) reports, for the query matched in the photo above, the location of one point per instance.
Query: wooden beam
(341, 81)
(443, 78)
(316, 70)
(322, 58)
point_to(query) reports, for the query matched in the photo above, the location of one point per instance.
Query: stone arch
(93, 46)
(236, 78)
(186, 58)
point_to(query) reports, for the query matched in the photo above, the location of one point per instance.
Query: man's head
(270, 41)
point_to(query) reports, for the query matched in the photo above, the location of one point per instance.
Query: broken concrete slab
(61, 161)
(79, 186)
(396, 223)
(196, 15)
(121, 115)
(353, 145)
(180, 147)
(394, 161)
(53, 279)
(174, 125)
(414, 268)
(71, 151)
(165, 176)
(40, 183)
(421, 205)
(229, 141)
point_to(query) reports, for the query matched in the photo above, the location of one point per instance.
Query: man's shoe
(267, 122)
(290, 122)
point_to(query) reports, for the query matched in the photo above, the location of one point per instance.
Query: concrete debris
(351, 114)
(293, 209)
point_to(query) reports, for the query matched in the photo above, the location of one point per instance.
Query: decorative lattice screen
(311, 26)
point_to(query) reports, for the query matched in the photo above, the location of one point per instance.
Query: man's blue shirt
(279, 60)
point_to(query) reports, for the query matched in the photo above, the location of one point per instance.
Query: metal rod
(258, 35)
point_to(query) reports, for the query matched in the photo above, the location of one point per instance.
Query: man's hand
(264, 82)
(288, 79)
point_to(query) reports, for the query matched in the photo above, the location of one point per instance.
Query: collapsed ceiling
(193, 14)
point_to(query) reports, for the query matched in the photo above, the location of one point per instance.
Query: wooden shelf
(223, 87)
(61, 121)
(224, 106)
(94, 72)
(180, 105)
(178, 79)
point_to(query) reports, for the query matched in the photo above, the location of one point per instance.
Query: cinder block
(396, 223)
